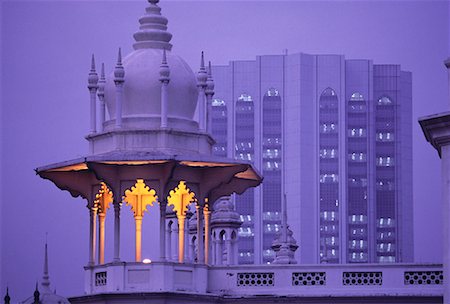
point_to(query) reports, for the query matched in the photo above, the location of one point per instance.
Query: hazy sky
(46, 48)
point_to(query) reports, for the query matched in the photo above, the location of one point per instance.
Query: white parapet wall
(351, 280)
(328, 280)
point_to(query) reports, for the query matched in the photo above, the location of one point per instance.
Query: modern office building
(334, 137)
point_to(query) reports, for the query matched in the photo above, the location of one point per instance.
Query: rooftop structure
(161, 156)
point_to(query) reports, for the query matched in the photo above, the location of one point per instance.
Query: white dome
(141, 104)
(140, 74)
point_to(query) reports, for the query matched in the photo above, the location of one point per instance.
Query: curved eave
(78, 176)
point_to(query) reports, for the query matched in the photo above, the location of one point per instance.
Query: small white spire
(202, 75)
(119, 72)
(164, 71)
(102, 81)
(46, 278)
(209, 82)
(93, 77)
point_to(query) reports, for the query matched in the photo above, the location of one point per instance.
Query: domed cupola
(150, 89)
(141, 104)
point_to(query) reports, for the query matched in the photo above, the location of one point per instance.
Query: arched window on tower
(329, 178)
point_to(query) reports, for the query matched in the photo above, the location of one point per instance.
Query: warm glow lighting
(75, 167)
(135, 162)
(146, 261)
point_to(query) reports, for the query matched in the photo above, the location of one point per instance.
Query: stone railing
(285, 280)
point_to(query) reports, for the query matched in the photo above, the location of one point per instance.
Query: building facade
(332, 136)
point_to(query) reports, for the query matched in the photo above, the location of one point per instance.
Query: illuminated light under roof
(135, 162)
(205, 164)
(146, 261)
(248, 174)
(75, 167)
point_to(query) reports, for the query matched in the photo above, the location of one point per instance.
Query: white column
(181, 238)
(101, 97)
(119, 79)
(93, 93)
(175, 232)
(101, 238)
(213, 252)
(116, 231)
(119, 93)
(207, 245)
(162, 230)
(200, 249)
(164, 103)
(202, 106)
(92, 234)
(229, 251)
(169, 242)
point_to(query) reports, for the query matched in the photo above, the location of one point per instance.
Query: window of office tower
(244, 149)
(271, 157)
(385, 148)
(357, 175)
(329, 177)
(219, 127)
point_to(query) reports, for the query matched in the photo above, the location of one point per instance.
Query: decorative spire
(209, 82)
(119, 71)
(284, 244)
(36, 294)
(202, 75)
(93, 77)
(152, 32)
(102, 81)
(7, 298)
(46, 278)
(164, 71)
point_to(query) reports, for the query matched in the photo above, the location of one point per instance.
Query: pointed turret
(93, 76)
(102, 81)
(119, 72)
(7, 298)
(209, 82)
(93, 86)
(202, 75)
(164, 70)
(284, 244)
(46, 278)
(36, 295)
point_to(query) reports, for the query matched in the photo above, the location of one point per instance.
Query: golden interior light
(75, 167)
(205, 164)
(134, 162)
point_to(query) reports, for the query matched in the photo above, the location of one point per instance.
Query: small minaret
(202, 77)
(93, 86)
(119, 79)
(164, 77)
(7, 298)
(209, 95)
(225, 222)
(284, 245)
(36, 295)
(46, 278)
(101, 96)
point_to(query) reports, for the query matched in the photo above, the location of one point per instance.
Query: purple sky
(46, 48)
